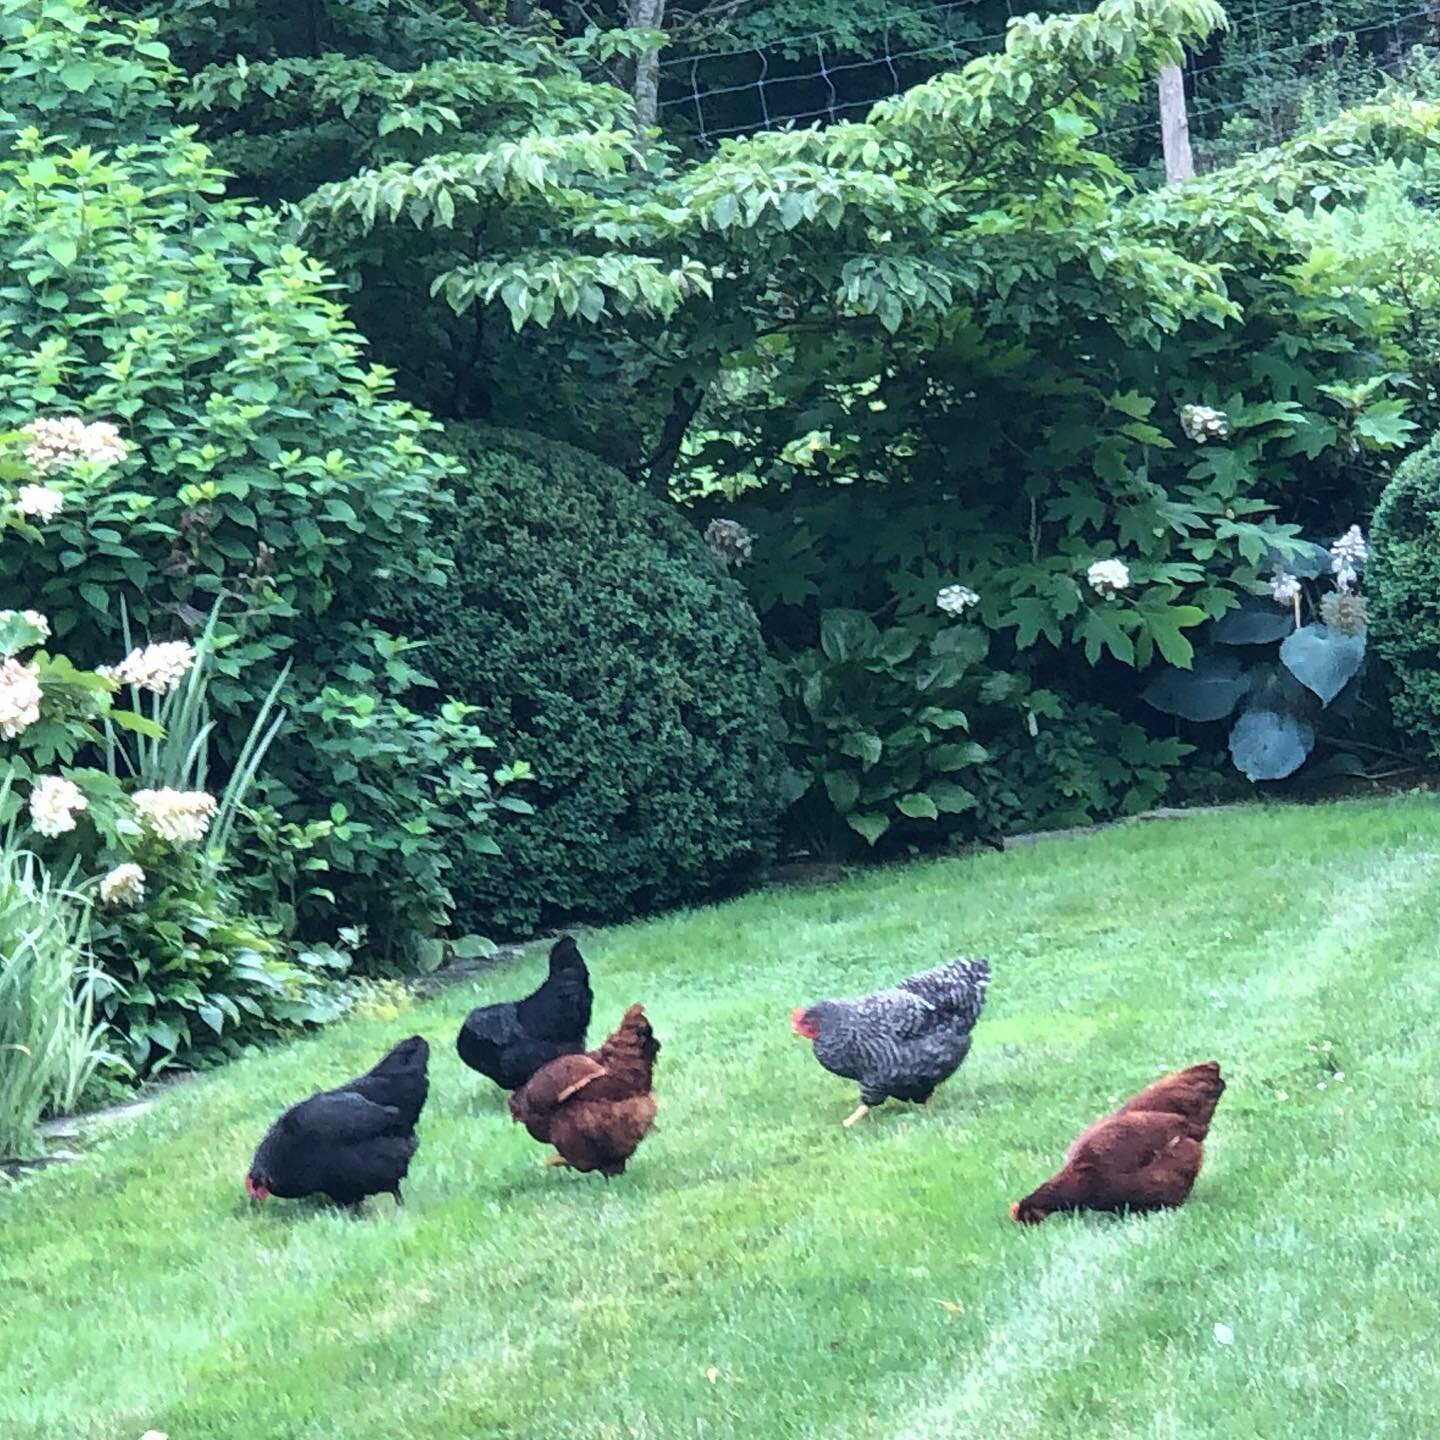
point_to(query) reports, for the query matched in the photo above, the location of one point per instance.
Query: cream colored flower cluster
(39, 502)
(155, 667)
(56, 444)
(180, 816)
(124, 885)
(54, 804)
(19, 697)
(1107, 578)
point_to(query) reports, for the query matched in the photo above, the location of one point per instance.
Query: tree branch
(686, 400)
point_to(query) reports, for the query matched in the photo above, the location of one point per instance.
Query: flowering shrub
(181, 974)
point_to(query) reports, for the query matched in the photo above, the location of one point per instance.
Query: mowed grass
(760, 1272)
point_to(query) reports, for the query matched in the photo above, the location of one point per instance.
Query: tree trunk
(646, 15)
(1175, 126)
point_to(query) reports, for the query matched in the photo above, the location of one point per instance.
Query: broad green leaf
(872, 827)
(843, 790)
(918, 806)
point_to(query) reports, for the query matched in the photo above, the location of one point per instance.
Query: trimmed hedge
(605, 645)
(1403, 580)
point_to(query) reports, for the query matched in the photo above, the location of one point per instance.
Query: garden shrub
(1404, 580)
(597, 636)
(268, 466)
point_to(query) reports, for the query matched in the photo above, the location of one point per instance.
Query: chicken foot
(555, 1160)
(859, 1113)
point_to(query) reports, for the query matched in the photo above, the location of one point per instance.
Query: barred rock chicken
(351, 1142)
(509, 1042)
(1143, 1156)
(902, 1042)
(595, 1109)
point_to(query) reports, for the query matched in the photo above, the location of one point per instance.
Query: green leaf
(847, 635)
(1209, 690)
(872, 827)
(843, 790)
(62, 249)
(950, 798)
(429, 955)
(1322, 659)
(96, 596)
(918, 806)
(136, 724)
(863, 745)
(956, 757)
(472, 947)
(1270, 744)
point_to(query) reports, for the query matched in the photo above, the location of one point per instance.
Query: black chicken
(509, 1042)
(351, 1142)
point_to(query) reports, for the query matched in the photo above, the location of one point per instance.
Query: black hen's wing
(400, 1080)
(343, 1117)
(487, 1039)
(339, 1144)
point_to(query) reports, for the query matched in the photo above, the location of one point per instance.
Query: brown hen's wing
(535, 1103)
(1141, 1160)
(1192, 1093)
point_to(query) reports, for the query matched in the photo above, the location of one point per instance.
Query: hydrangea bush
(180, 972)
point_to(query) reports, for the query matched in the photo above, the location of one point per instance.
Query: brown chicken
(594, 1108)
(1143, 1156)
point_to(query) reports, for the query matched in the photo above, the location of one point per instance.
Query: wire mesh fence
(1264, 68)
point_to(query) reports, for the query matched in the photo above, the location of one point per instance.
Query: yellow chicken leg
(556, 1160)
(861, 1111)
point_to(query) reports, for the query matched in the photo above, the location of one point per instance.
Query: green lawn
(759, 1272)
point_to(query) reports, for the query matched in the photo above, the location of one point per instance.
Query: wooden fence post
(1175, 126)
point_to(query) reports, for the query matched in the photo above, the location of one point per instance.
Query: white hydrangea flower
(56, 444)
(1284, 587)
(1108, 577)
(1347, 555)
(730, 540)
(155, 667)
(124, 885)
(39, 502)
(1201, 423)
(54, 804)
(19, 697)
(180, 816)
(956, 599)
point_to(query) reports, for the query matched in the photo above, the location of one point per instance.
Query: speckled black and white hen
(899, 1043)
